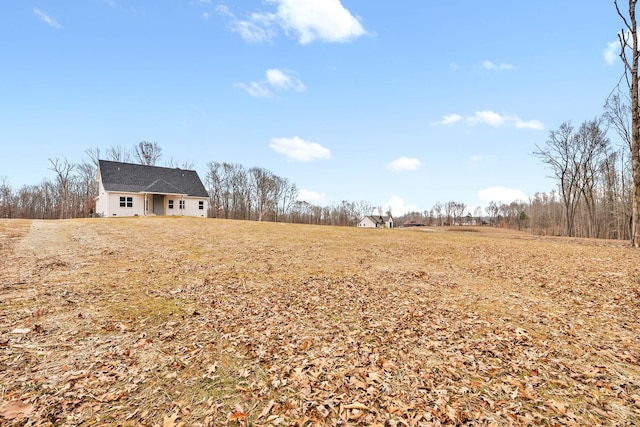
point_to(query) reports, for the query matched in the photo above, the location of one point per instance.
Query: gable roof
(132, 178)
(377, 219)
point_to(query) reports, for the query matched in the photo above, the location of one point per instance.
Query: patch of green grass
(160, 309)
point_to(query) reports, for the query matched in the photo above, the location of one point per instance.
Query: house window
(126, 202)
(170, 204)
(201, 205)
(181, 204)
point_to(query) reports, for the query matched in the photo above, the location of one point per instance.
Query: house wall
(109, 205)
(114, 208)
(191, 206)
(102, 203)
(367, 223)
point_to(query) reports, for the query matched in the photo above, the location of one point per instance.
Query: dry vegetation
(173, 321)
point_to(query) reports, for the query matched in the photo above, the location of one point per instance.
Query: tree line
(236, 192)
(593, 198)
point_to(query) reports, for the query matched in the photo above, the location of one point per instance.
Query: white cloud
(490, 118)
(312, 197)
(404, 164)
(324, 20)
(448, 120)
(253, 32)
(493, 119)
(46, 18)
(306, 20)
(276, 80)
(255, 89)
(476, 158)
(280, 80)
(398, 207)
(501, 194)
(611, 52)
(298, 149)
(529, 124)
(488, 65)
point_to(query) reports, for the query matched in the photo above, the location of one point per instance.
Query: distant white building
(376, 221)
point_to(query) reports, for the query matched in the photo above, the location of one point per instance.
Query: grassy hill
(177, 321)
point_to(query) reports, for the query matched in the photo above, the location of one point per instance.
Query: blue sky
(401, 104)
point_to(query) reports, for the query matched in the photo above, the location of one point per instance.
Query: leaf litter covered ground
(187, 322)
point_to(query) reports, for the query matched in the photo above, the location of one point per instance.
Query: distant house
(127, 189)
(414, 222)
(376, 221)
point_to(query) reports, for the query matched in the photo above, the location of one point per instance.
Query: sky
(400, 104)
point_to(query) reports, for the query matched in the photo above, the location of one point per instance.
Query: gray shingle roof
(379, 219)
(132, 178)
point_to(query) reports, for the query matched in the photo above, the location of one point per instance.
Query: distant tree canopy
(576, 159)
(592, 199)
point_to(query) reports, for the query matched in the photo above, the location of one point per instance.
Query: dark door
(158, 204)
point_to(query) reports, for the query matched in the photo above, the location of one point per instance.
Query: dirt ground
(201, 322)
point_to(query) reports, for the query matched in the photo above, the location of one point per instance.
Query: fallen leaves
(234, 323)
(15, 410)
(238, 415)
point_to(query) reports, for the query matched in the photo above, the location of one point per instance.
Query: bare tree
(617, 109)
(437, 208)
(558, 153)
(593, 149)
(362, 209)
(117, 153)
(477, 213)
(93, 154)
(575, 160)
(458, 211)
(285, 196)
(147, 153)
(449, 211)
(6, 199)
(86, 188)
(264, 188)
(62, 169)
(492, 210)
(184, 165)
(630, 56)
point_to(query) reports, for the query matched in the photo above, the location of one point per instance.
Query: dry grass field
(200, 322)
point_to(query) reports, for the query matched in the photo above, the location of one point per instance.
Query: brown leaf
(15, 410)
(267, 409)
(559, 407)
(238, 414)
(356, 405)
(169, 421)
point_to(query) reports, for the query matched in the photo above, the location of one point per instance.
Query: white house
(127, 189)
(378, 221)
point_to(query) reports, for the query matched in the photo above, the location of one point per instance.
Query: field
(201, 322)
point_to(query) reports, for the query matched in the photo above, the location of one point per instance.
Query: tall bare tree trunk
(629, 41)
(635, 129)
